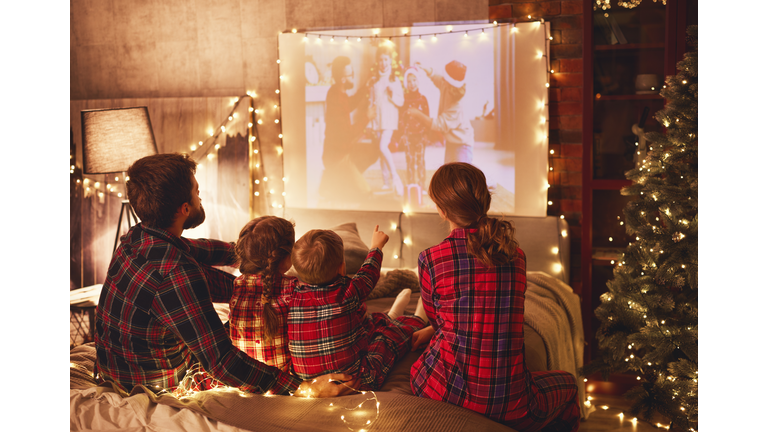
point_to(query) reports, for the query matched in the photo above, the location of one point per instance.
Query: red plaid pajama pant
(390, 341)
(555, 408)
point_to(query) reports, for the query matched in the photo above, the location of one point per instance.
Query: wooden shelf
(599, 97)
(631, 46)
(617, 384)
(607, 254)
(610, 184)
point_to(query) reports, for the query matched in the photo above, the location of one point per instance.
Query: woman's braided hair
(461, 193)
(263, 244)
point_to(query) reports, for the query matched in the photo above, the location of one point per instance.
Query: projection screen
(370, 114)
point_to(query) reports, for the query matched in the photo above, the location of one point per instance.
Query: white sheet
(94, 410)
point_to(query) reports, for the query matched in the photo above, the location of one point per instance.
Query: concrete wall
(186, 48)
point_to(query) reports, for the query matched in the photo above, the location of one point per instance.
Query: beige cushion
(355, 250)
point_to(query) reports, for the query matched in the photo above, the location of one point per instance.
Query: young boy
(450, 121)
(328, 327)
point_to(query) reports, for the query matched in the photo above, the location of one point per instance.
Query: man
(340, 133)
(155, 317)
(345, 158)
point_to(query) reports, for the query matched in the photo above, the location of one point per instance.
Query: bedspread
(554, 312)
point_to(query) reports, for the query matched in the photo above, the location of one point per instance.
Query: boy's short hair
(317, 255)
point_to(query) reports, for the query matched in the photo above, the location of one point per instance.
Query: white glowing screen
(352, 137)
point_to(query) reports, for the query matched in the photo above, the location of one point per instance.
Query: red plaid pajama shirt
(329, 330)
(155, 317)
(476, 357)
(245, 319)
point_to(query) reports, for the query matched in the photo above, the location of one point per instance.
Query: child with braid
(259, 306)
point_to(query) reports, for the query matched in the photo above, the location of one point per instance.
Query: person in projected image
(344, 157)
(451, 120)
(341, 134)
(415, 136)
(386, 96)
(155, 319)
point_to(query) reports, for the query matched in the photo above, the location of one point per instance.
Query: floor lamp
(112, 140)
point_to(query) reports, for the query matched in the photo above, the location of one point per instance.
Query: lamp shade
(113, 139)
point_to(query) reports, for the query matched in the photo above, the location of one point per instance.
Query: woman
(473, 292)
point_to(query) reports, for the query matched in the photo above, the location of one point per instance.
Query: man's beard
(195, 218)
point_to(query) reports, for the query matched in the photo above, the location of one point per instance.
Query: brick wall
(565, 106)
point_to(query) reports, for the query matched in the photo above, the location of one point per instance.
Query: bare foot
(398, 306)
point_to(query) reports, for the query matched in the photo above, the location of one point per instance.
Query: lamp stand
(128, 210)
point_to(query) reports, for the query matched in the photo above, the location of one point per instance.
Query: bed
(553, 340)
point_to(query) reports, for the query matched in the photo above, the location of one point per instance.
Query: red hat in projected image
(456, 72)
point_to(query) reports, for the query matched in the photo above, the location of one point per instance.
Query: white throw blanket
(554, 312)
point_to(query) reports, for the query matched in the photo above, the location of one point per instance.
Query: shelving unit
(614, 101)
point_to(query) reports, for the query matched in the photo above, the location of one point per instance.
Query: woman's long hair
(263, 244)
(461, 193)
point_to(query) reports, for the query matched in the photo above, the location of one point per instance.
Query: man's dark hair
(158, 185)
(337, 67)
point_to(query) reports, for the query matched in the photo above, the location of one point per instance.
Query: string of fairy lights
(434, 36)
(197, 379)
(606, 4)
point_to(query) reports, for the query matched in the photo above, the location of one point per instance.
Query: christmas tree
(649, 315)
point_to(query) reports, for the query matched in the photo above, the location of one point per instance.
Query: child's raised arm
(379, 238)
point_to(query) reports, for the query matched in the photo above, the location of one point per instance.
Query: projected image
(382, 113)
